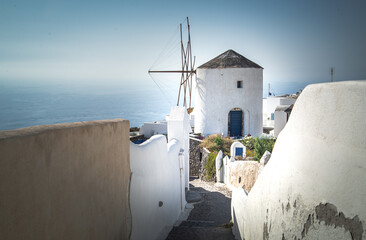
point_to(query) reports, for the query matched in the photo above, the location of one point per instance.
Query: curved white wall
(150, 129)
(155, 177)
(216, 93)
(314, 185)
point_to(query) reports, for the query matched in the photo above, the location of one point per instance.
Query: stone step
(200, 233)
(196, 223)
(192, 196)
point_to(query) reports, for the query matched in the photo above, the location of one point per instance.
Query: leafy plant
(218, 141)
(261, 145)
(215, 143)
(250, 153)
(248, 142)
(210, 167)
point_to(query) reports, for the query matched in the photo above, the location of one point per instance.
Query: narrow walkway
(210, 217)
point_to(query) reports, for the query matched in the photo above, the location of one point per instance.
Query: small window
(272, 116)
(238, 151)
(239, 84)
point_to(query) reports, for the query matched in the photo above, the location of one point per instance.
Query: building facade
(228, 96)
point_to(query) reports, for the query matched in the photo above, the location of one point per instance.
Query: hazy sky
(117, 41)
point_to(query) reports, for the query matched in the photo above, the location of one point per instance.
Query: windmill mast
(187, 69)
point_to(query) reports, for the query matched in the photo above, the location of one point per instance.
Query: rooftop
(230, 59)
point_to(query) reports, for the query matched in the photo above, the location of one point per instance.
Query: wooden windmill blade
(187, 69)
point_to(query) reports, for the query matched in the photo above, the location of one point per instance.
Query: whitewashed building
(228, 96)
(281, 115)
(269, 107)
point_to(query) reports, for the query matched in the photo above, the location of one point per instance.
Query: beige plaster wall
(65, 181)
(243, 174)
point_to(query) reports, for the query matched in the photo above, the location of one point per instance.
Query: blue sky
(99, 42)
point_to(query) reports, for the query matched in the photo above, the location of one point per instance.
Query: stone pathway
(208, 218)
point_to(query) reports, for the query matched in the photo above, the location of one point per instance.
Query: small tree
(261, 145)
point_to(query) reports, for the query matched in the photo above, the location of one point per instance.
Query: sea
(29, 104)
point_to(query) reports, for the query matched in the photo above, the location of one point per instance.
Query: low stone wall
(65, 181)
(197, 158)
(205, 153)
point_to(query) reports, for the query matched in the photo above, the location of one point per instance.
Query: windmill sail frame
(187, 69)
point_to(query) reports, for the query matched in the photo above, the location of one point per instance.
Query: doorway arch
(236, 122)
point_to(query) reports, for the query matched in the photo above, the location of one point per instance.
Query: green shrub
(218, 141)
(248, 142)
(210, 167)
(250, 153)
(261, 145)
(215, 143)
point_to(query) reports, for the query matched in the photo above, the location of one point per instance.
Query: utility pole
(331, 74)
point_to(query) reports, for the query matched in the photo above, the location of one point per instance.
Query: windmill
(187, 69)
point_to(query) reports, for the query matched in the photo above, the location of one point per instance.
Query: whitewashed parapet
(159, 178)
(237, 149)
(225, 171)
(313, 187)
(238, 198)
(179, 128)
(265, 158)
(219, 167)
(155, 186)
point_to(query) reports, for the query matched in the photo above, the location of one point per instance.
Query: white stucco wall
(216, 93)
(280, 122)
(313, 186)
(155, 178)
(269, 107)
(235, 145)
(158, 178)
(150, 129)
(270, 104)
(179, 129)
(287, 101)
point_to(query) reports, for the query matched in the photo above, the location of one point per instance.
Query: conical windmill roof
(230, 59)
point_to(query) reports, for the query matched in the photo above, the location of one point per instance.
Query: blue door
(236, 119)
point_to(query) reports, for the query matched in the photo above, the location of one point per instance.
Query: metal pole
(172, 71)
(331, 74)
(181, 43)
